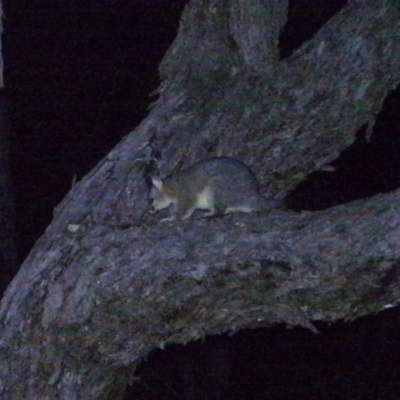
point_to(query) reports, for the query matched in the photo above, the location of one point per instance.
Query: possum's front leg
(183, 209)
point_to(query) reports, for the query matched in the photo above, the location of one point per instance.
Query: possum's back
(232, 172)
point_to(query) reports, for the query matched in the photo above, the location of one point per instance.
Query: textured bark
(107, 283)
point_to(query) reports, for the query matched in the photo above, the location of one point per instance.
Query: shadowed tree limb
(106, 283)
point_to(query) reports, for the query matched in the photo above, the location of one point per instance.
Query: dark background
(78, 75)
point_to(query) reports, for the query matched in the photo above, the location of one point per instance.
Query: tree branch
(288, 118)
(106, 283)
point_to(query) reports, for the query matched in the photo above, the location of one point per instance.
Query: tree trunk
(107, 283)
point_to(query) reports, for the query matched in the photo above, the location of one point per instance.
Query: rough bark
(107, 283)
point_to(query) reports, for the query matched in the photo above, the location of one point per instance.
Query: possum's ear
(157, 183)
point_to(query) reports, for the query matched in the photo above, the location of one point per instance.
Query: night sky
(78, 75)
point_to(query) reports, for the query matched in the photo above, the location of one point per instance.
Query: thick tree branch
(106, 284)
(288, 118)
(147, 286)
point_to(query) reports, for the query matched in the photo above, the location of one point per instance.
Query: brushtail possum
(220, 185)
